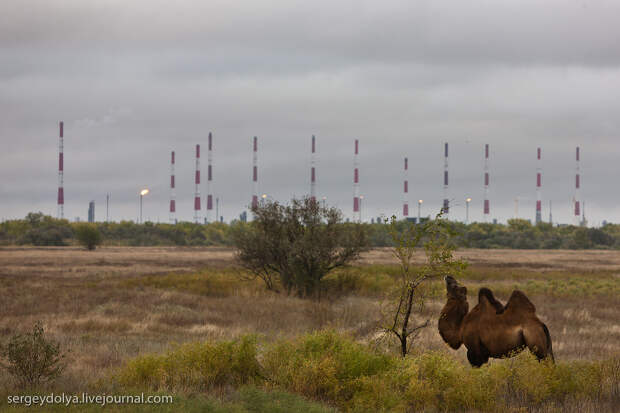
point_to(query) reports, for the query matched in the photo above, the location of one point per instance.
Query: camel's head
(455, 291)
(453, 312)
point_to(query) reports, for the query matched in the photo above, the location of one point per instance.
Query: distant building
(243, 217)
(91, 211)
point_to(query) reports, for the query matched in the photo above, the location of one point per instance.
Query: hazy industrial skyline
(135, 80)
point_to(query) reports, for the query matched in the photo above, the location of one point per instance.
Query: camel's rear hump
(518, 303)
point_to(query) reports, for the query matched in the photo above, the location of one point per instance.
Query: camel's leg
(536, 340)
(549, 344)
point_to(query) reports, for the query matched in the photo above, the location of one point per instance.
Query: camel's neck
(450, 321)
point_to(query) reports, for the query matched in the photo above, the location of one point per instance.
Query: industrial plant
(578, 208)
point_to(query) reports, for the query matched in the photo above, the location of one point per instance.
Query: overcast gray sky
(133, 80)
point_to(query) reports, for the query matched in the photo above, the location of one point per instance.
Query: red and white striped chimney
(173, 206)
(255, 174)
(406, 190)
(61, 171)
(577, 188)
(197, 217)
(313, 170)
(356, 185)
(446, 201)
(210, 178)
(486, 209)
(538, 186)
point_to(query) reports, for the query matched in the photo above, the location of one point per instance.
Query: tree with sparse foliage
(88, 236)
(32, 359)
(436, 239)
(296, 245)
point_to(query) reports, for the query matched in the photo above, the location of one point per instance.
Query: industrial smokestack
(538, 186)
(446, 201)
(197, 217)
(577, 187)
(357, 215)
(210, 178)
(406, 190)
(486, 208)
(255, 174)
(173, 207)
(550, 213)
(313, 170)
(61, 168)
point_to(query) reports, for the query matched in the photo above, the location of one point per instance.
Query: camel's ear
(454, 289)
(451, 284)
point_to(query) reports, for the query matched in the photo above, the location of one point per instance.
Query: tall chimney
(210, 178)
(255, 174)
(357, 215)
(173, 206)
(406, 190)
(538, 186)
(486, 209)
(197, 217)
(61, 171)
(446, 201)
(313, 170)
(577, 189)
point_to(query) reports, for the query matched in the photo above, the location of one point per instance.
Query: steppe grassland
(114, 304)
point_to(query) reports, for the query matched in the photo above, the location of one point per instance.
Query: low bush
(32, 359)
(434, 381)
(88, 236)
(194, 367)
(331, 368)
(323, 365)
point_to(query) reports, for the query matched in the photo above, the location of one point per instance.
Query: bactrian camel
(491, 329)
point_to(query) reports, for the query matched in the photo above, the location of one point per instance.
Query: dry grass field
(113, 304)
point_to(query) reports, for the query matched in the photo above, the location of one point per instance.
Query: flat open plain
(112, 304)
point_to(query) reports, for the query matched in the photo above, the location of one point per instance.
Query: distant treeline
(41, 230)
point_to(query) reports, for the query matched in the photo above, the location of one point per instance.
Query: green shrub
(329, 367)
(323, 365)
(524, 380)
(442, 382)
(32, 359)
(195, 367)
(88, 236)
(41, 230)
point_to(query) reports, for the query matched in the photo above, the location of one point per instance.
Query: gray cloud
(134, 80)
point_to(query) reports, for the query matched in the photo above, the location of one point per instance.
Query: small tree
(32, 359)
(436, 238)
(297, 245)
(88, 236)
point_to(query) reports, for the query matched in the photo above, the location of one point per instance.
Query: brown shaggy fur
(490, 329)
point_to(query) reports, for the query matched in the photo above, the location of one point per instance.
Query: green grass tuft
(194, 367)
